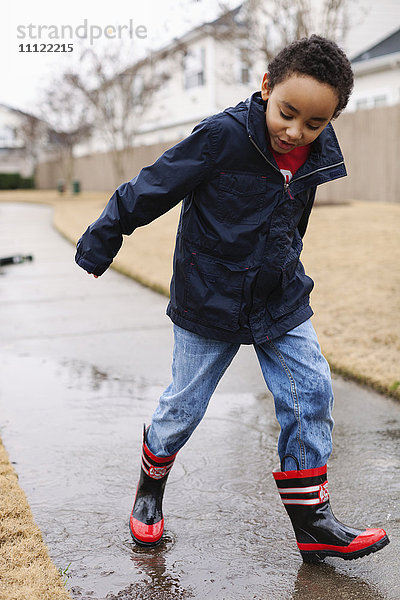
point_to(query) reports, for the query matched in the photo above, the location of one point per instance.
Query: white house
(205, 79)
(377, 74)
(13, 158)
(206, 72)
(19, 153)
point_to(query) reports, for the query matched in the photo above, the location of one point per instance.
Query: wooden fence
(370, 140)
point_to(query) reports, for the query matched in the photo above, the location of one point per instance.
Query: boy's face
(298, 109)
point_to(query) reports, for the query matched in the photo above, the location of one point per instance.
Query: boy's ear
(265, 91)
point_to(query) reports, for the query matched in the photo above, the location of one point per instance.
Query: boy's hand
(95, 276)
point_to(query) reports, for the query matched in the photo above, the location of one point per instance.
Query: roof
(388, 45)
(17, 111)
(216, 27)
(226, 19)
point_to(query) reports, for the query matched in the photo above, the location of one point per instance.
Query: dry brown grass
(353, 254)
(26, 571)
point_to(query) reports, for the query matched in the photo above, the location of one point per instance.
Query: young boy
(247, 178)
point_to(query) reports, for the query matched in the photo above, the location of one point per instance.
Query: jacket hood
(251, 115)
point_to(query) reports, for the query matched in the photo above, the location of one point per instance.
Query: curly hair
(317, 57)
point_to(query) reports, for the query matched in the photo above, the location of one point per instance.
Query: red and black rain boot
(318, 533)
(147, 522)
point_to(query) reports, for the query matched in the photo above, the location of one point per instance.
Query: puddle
(74, 434)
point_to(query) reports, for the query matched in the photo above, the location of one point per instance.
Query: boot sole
(143, 543)
(146, 544)
(316, 557)
(152, 540)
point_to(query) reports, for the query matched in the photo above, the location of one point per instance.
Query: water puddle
(74, 434)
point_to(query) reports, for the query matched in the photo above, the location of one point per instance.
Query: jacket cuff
(89, 266)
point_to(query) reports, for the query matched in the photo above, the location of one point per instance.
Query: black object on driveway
(16, 259)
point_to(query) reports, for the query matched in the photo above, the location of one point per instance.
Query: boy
(247, 177)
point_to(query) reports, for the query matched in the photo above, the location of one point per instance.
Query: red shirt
(290, 162)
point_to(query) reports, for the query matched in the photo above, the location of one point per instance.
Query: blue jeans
(294, 370)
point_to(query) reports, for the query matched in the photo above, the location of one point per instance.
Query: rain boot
(319, 534)
(147, 522)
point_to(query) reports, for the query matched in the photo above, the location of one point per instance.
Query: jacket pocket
(213, 292)
(241, 197)
(294, 287)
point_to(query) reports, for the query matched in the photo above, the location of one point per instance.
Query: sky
(23, 74)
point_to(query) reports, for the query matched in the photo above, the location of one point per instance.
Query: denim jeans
(294, 370)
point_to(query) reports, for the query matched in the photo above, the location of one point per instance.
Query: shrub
(13, 181)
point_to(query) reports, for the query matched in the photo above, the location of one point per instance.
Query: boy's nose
(294, 133)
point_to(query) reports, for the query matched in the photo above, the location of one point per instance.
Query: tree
(263, 27)
(34, 133)
(115, 96)
(64, 109)
(288, 20)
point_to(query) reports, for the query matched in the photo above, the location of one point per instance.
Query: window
(194, 68)
(7, 136)
(380, 101)
(372, 101)
(244, 66)
(362, 104)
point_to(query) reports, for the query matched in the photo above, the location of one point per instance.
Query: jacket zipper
(285, 183)
(268, 161)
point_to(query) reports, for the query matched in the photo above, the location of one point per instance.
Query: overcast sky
(24, 73)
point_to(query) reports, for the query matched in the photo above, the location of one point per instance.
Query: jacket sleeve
(153, 192)
(302, 226)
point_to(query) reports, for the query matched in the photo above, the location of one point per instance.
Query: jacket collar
(251, 114)
(256, 125)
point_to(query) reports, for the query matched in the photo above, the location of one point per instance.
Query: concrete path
(83, 362)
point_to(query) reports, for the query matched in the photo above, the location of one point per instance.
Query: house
(13, 157)
(377, 74)
(22, 136)
(212, 73)
(200, 74)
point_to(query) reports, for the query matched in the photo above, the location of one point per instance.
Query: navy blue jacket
(237, 274)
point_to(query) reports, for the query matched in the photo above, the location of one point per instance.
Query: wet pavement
(83, 362)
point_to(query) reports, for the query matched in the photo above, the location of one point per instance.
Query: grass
(64, 573)
(26, 570)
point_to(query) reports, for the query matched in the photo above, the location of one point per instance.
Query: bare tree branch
(269, 25)
(64, 109)
(116, 97)
(34, 134)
